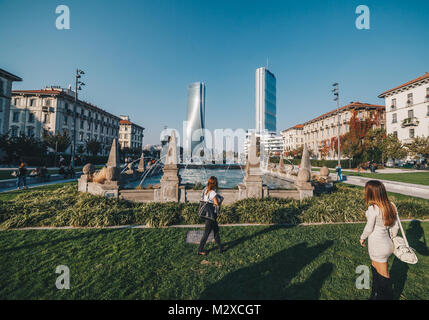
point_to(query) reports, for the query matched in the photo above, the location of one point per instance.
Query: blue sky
(139, 56)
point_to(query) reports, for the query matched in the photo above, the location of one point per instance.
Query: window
(427, 94)
(395, 133)
(410, 99)
(80, 136)
(46, 118)
(48, 102)
(15, 117)
(1, 87)
(82, 123)
(393, 106)
(65, 120)
(1, 105)
(16, 101)
(32, 102)
(88, 136)
(428, 112)
(31, 117)
(410, 114)
(67, 106)
(394, 118)
(411, 133)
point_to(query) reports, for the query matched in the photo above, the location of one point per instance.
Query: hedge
(66, 207)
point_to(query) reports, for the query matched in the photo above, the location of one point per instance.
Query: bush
(65, 206)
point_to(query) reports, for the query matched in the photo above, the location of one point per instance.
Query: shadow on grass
(231, 244)
(54, 241)
(399, 270)
(270, 279)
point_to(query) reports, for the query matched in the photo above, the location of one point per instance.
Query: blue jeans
(22, 180)
(339, 176)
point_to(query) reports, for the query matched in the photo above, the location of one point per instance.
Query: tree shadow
(399, 270)
(270, 279)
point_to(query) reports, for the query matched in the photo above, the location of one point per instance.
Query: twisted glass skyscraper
(194, 135)
(265, 100)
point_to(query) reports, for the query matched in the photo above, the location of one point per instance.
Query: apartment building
(407, 109)
(130, 134)
(6, 79)
(293, 138)
(34, 112)
(323, 130)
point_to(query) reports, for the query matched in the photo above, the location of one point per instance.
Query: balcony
(410, 122)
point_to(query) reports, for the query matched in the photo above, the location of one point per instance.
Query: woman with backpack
(381, 227)
(211, 202)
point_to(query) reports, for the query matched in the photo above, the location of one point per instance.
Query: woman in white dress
(382, 225)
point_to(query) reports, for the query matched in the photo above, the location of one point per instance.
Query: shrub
(65, 206)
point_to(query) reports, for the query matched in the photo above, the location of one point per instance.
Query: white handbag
(401, 249)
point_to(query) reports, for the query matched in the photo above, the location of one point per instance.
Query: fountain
(249, 183)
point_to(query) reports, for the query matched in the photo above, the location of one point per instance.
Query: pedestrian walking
(338, 171)
(209, 210)
(381, 227)
(22, 176)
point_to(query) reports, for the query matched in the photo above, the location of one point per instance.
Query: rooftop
(406, 84)
(351, 105)
(58, 91)
(8, 75)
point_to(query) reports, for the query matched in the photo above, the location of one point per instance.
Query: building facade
(6, 79)
(407, 109)
(195, 118)
(130, 134)
(320, 134)
(36, 112)
(265, 101)
(293, 138)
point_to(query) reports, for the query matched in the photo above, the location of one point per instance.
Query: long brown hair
(375, 194)
(212, 183)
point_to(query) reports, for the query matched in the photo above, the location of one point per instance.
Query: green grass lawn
(407, 177)
(305, 262)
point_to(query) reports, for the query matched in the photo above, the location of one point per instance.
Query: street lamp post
(78, 85)
(336, 92)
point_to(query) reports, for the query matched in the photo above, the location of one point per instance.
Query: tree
(353, 145)
(419, 147)
(59, 142)
(324, 150)
(93, 146)
(372, 145)
(393, 148)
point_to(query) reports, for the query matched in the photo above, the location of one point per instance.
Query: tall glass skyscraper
(194, 135)
(265, 100)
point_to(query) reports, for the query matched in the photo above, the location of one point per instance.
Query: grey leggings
(210, 225)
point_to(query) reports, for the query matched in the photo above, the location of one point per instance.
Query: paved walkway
(409, 189)
(190, 226)
(31, 186)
